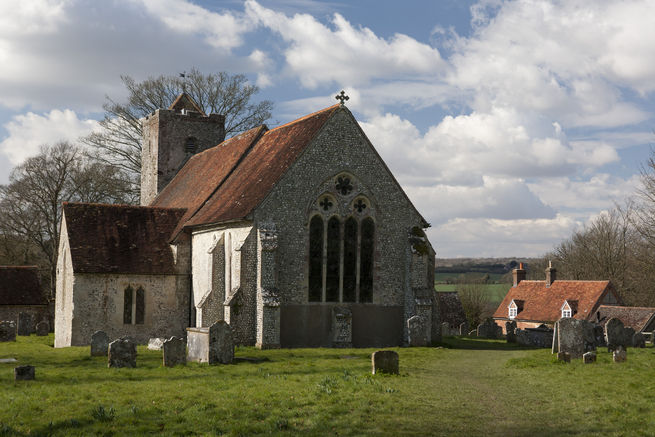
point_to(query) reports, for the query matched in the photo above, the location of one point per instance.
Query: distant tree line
(104, 167)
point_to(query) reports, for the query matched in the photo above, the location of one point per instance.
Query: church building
(297, 236)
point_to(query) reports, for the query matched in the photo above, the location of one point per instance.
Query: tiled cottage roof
(20, 285)
(632, 317)
(544, 304)
(450, 308)
(121, 238)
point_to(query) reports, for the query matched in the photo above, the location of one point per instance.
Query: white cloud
(345, 55)
(27, 17)
(29, 131)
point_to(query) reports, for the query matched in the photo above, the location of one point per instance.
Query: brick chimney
(551, 274)
(518, 274)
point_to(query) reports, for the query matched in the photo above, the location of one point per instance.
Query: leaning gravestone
(589, 357)
(23, 373)
(221, 343)
(25, 324)
(122, 353)
(489, 329)
(417, 331)
(7, 331)
(639, 340)
(42, 328)
(510, 329)
(384, 362)
(174, 352)
(571, 336)
(620, 355)
(99, 344)
(617, 335)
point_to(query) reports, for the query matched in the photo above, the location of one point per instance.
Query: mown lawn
(468, 387)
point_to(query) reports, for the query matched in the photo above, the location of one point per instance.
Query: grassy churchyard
(467, 387)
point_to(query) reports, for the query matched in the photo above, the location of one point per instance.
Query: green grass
(468, 387)
(495, 292)
(454, 277)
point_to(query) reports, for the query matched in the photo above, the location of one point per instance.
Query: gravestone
(342, 327)
(510, 329)
(445, 330)
(463, 328)
(174, 352)
(639, 340)
(599, 336)
(573, 336)
(417, 331)
(99, 344)
(384, 362)
(589, 357)
(122, 353)
(155, 344)
(23, 373)
(534, 337)
(617, 335)
(620, 355)
(489, 329)
(564, 356)
(25, 324)
(42, 328)
(221, 343)
(7, 330)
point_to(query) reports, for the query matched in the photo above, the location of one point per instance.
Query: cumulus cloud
(29, 131)
(344, 54)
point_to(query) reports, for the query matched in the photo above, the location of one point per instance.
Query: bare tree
(119, 141)
(30, 205)
(475, 300)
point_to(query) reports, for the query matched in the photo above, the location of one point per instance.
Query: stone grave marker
(620, 355)
(417, 330)
(445, 329)
(564, 356)
(510, 329)
(342, 326)
(617, 335)
(489, 329)
(174, 352)
(155, 344)
(639, 340)
(571, 336)
(463, 328)
(589, 357)
(23, 373)
(42, 328)
(221, 343)
(99, 344)
(384, 362)
(7, 330)
(122, 353)
(25, 324)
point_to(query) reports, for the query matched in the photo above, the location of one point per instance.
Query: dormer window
(569, 308)
(566, 313)
(512, 313)
(514, 308)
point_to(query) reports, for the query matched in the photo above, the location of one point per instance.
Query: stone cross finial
(342, 97)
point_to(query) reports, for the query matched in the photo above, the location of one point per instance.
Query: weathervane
(342, 97)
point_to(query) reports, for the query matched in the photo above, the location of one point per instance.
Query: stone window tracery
(343, 185)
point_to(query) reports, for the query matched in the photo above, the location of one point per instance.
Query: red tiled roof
(204, 173)
(636, 318)
(121, 238)
(20, 285)
(260, 169)
(544, 304)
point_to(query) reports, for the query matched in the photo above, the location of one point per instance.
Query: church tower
(170, 137)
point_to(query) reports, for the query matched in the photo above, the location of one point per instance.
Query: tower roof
(184, 101)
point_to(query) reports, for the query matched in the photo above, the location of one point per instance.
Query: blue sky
(509, 124)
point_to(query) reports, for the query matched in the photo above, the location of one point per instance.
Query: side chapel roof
(544, 304)
(120, 238)
(20, 285)
(636, 318)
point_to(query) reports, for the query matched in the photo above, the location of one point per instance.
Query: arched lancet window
(316, 259)
(128, 298)
(350, 260)
(140, 310)
(333, 258)
(366, 261)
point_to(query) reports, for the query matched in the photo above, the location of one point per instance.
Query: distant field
(496, 292)
(454, 277)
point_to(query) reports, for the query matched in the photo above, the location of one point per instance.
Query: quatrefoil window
(343, 185)
(360, 205)
(325, 204)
